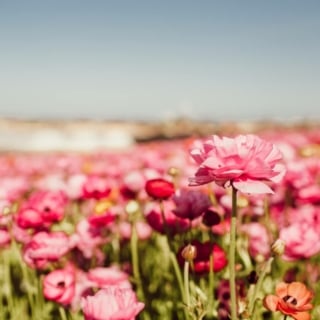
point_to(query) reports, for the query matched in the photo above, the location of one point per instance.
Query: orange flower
(291, 299)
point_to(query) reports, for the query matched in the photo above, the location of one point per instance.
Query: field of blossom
(210, 228)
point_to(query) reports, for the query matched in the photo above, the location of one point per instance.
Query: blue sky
(152, 60)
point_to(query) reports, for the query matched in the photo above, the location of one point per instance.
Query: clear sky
(219, 60)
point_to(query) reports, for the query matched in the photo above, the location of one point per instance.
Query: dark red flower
(201, 263)
(159, 188)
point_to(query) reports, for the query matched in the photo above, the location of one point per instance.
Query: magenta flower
(59, 286)
(190, 204)
(113, 303)
(246, 162)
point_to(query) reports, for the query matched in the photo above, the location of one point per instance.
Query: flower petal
(252, 186)
(271, 302)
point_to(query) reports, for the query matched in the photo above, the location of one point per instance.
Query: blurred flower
(159, 188)
(190, 204)
(291, 299)
(201, 262)
(5, 238)
(103, 277)
(243, 162)
(46, 247)
(59, 286)
(112, 303)
(96, 187)
(173, 224)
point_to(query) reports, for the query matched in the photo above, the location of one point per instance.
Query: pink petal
(252, 186)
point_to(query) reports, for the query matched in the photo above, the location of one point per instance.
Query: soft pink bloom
(46, 247)
(302, 241)
(88, 239)
(109, 276)
(113, 303)
(190, 204)
(259, 243)
(59, 286)
(245, 162)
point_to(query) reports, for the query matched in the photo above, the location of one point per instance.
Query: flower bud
(278, 247)
(159, 188)
(132, 207)
(189, 252)
(173, 172)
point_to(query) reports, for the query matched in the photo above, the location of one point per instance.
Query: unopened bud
(278, 247)
(189, 252)
(211, 218)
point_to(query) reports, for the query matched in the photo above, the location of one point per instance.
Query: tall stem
(232, 253)
(186, 283)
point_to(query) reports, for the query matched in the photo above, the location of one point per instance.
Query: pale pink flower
(46, 247)
(113, 303)
(302, 240)
(103, 277)
(96, 187)
(5, 238)
(245, 162)
(144, 230)
(59, 286)
(259, 244)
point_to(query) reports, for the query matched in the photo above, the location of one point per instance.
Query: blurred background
(160, 60)
(132, 60)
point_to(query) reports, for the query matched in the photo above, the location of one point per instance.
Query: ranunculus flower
(96, 187)
(59, 286)
(204, 250)
(244, 162)
(172, 224)
(112, 303)
(159, 188)
(108, 276)
(46, 247)
(190, 204)
(292, 299)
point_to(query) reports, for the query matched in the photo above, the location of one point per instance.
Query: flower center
(290, 299)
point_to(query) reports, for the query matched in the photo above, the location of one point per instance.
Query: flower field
(207, 228)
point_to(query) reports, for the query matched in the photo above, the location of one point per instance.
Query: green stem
(62, 313)
(232, 253)
(135, 265)
(186, 283)
(178, 275)
(211, 288)
(258, 287)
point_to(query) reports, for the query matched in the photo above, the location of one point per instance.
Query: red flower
(243, 162)
(201, 263)
(291, 299)
(159, 188)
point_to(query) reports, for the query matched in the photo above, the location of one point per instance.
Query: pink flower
(258, 239)
(5, 238)
(104, 277)
(243, 162)
(59, 286)
(46, 247)
(96, 187)
(113, 303)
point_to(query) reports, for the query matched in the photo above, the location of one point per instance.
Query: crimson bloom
(243, 162)
(292, 299)
(159, 188)
(59, 286)
(112, 303)
(201, 262)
